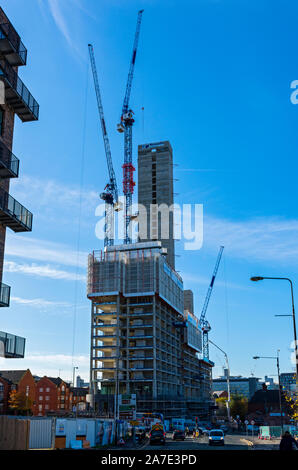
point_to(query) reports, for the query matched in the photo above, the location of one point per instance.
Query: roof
(57, 381)
(14, 376)
(265, 396)
(79, 391)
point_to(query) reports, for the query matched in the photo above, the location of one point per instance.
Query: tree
(222, 407)
(19, 402)
(239, 406)
(291, 405)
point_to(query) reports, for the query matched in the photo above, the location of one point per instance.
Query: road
(232, 442)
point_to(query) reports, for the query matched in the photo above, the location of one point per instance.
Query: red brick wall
(27, 385)
(7, 138)
(64, 402)
(4, 396)
(46, 397)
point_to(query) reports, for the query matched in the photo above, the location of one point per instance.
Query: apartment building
(15, 100)
(141, 341)
(20, 381)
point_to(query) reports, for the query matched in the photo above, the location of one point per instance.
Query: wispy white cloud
(49, 364)
(62, 12)
(196, 279)
(43, 250)
(261, 239)
(41, 303)
(42, 271)
(44, 195)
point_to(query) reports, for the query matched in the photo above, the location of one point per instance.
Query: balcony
(4, 295)
(11, 45)
(11, 346)
(17, 94)
(9, 163)
(13, 214)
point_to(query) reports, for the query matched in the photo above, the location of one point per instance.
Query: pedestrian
(288, 442)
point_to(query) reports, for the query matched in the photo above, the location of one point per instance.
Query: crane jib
(134, 56)
(104, 126)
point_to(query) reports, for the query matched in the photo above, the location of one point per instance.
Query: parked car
(205, 432)
(178, 434)
(157, 436)
(224, 428)
(216, 437)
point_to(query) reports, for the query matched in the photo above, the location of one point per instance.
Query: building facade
(155, 189)
(244, 386)
(15, 99)
(288, 381)
(141, 341)
(20, 381)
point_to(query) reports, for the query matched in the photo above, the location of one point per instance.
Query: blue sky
(214, 78)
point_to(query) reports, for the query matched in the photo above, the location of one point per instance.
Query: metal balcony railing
(13, 214)
(11, 346)
(9, 163)
(11, 45)
(4, 295)
(17, 94)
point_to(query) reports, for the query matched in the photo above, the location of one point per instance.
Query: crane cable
(82, 170)
(226, 303)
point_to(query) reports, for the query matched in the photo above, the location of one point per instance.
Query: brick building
(21, 381)
(46, 397)
(78, 398)
(63, 394)
(15, 99)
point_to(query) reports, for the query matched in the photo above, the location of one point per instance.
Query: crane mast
(110, 194)
(125, 126)
(203, 322)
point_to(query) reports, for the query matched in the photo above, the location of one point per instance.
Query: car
(205, 431)
(178, 434)
(216, 437)
(157, 436)
(224, 428)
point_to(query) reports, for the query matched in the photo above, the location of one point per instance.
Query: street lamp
(73, 374)
(261, 278)
(279, 389)
(228, 377)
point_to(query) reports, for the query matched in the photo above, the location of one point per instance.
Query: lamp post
(228, 377)
(279, 389)
(73, 374)
(261, 278)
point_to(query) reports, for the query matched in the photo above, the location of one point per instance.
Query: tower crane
(125, 126)
(110, 194)
(205, 325)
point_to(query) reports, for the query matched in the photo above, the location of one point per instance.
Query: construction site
(145, 336)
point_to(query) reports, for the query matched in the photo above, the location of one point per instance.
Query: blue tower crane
(110, 194)
(205, 325)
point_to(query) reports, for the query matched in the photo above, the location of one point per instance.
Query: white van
(216, 437)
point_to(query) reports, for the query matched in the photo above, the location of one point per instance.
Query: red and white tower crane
(125, 126)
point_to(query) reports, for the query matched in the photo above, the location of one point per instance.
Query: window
(40, 407)
(47, 398)
(40, 398)
(27, 390)
(46, 407)
(1, 387)
(47, 389)
(41, 389)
